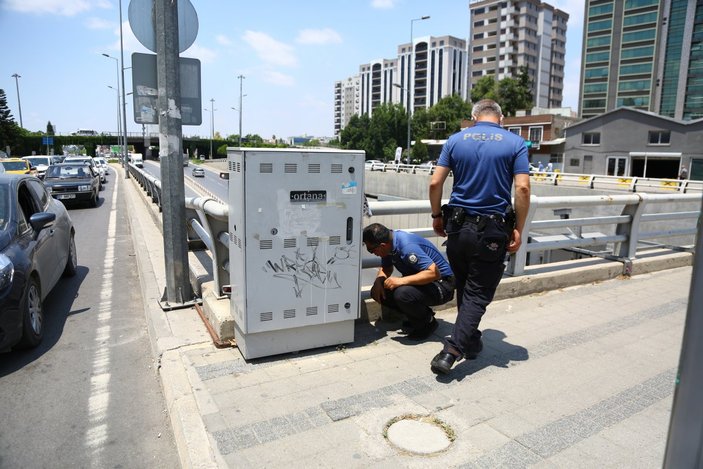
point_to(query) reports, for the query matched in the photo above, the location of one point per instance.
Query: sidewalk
(578, 377)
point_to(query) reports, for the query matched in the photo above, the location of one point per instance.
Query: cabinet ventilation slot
(334, 240)
(313, 241)
(289, 243)
(332, 308)
(290, 168)
(336, 168)
(267, 316)
(314, 168)
(311, 311)
(266, 167)
(265, 244)
(288, 313)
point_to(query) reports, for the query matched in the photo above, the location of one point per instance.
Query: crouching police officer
(479, 220)
(426, 280)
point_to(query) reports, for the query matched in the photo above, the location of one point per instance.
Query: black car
(37, 247)
(73, 182)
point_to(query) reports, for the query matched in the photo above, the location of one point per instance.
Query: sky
(290, 54)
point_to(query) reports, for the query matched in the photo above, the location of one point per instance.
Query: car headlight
(7, 271)
(84, 188)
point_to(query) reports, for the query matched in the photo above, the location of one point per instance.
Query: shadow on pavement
(57, 308)
(496, 352)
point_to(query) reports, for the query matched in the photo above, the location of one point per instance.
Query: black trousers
(414, 301)
(476, 251)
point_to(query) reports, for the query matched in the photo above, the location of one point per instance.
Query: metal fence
(623, 226)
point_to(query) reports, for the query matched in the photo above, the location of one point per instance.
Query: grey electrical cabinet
(295, 247)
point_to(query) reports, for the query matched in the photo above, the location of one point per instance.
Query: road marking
(97, 434)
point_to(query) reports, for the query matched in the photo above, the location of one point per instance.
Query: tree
(450, 110)
(511, 93)
(10, 132)
(49, 128)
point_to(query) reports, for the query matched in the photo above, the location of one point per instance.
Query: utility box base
(264, 344)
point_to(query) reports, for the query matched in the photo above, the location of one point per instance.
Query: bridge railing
(624, 226)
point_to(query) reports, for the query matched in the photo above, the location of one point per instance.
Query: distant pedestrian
(426, 281)
(540, 168)
(683, 174)
(480, 221)
(550, 167)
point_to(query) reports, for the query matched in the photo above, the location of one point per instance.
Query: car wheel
(32, 316)
(72, 261)
(94, 200)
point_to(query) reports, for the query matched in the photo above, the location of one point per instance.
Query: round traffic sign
(141, 19)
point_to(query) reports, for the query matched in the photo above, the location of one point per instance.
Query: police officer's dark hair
(376, 234)
(486, 107)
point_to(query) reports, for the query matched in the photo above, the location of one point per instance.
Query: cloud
(56, 7)
(223, 40)
(383, 4)
(319, 36)
(270, 50)
(203, 54)
(99, 23)
(278, 78)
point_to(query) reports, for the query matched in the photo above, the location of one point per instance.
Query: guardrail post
(631, 229)
(518, 261)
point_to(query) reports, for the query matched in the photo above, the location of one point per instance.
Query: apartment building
(507, 35)
(644, 54)
(424, 72)
(347, 101)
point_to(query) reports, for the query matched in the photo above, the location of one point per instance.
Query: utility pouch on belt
(510, 219)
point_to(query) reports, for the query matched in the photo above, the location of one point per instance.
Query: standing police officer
(426, 280)
(479, 220)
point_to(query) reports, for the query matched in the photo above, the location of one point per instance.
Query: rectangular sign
(308, 196)
(145, 90)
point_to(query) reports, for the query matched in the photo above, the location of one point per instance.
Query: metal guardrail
(591, 181)
(623, 230)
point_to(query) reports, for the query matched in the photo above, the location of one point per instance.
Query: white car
(41, 163)
(373, 165)
(90, 161)
(102, 162)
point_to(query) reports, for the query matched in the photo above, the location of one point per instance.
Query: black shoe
(474, 350)
(424, 332)
(442, 363)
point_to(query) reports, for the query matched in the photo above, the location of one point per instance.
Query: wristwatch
(436, 215)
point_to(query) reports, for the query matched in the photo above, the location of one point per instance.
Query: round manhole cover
(419, 434)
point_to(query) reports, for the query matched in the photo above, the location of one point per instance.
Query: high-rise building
(646, 54)
(433, 68)
(508, 35)
(347, 101)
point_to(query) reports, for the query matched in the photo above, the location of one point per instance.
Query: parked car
(198, 172)
(73, 182)
(89, 161)
(40, 163)
(18, 166)
(37, 247)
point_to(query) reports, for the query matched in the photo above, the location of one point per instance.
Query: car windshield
(36, 161)
(69, 171)
(14, 165)
(4, 207)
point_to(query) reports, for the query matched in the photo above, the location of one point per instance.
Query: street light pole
(410, 78)
(124, 100)
(241, 77)
(212, 123)
(19, 105)
(119, 113)
(119, 123)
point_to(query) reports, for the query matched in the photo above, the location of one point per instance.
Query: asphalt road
(89, 395)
